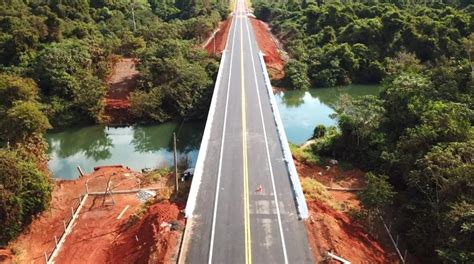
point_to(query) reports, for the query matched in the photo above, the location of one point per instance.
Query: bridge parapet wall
(198, 170)
(295, 181)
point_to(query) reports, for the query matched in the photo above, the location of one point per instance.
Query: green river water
(301, 111)
(137, 147)
(141, 147)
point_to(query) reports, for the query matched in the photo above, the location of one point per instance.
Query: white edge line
(299, 195)
(216, 199)
(282, 237)
(198, 170)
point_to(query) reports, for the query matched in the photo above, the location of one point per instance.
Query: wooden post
(56, 240)
(81, 173)
(175, 164)
(64, 225)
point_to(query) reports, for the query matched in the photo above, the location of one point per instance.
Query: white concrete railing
(198, 170)
(295, 181)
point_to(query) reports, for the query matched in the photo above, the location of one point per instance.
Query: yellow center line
(248, 244)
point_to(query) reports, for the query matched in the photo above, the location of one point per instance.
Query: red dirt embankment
(102, 232)
(219, 40)
(333, 230)
(267, 45)
(95, 230)
(152, 239)
(329, 230)
(38, 237)
(121, 82)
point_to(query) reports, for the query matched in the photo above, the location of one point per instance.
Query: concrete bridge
(246, 203)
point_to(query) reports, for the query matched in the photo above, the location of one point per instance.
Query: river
(301, 111)
(137, 147)
(141, 147)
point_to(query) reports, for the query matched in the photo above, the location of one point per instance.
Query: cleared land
(330, 228)
(142, 232)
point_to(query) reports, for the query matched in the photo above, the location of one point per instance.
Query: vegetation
(24, 191)
(419, 132)
(315, 191)
(305, 155)
(68, 48)
(375, 198)
(341, 42)
(54, 59)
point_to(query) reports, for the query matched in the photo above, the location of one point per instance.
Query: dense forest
(339, 43)
(416, 139)
(55, 56)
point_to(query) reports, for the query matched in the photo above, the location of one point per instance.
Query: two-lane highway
(245, 208)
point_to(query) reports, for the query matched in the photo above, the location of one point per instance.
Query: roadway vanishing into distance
(245, 208)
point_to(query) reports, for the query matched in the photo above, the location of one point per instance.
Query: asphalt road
(236, 221)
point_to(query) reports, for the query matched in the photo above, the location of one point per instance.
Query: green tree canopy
(24, 192)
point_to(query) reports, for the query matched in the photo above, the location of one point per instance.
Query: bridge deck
(233, 221)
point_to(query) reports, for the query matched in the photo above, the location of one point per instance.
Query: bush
(305, 155)
(314, 190)
(319, 131)
(24, 192)
(296, 75)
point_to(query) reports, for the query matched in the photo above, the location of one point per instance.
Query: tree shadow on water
(92, 141)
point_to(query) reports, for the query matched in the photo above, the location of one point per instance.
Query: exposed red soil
(152, 239)
(95, 229)
(121, 82)
(332, 230)
(267, 45)
(96, 225)
(217, 43)
(329, 230)
(334, 177)
(38, 237)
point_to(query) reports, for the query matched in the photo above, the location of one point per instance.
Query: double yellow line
(248, 244)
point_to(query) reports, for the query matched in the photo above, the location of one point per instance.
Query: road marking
(248, 243)
(216, 199)
(282, 237)
(123, 211)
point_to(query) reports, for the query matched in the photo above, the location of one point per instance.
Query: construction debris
(145, 195)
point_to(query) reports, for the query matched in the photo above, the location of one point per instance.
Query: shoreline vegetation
(55, 58)
(415, 139)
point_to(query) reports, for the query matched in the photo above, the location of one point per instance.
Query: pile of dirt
(151, 240)
(121, 82)
(268, 45)
(216, 44)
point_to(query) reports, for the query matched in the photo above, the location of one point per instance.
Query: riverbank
(107, 227)
(330, 227)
